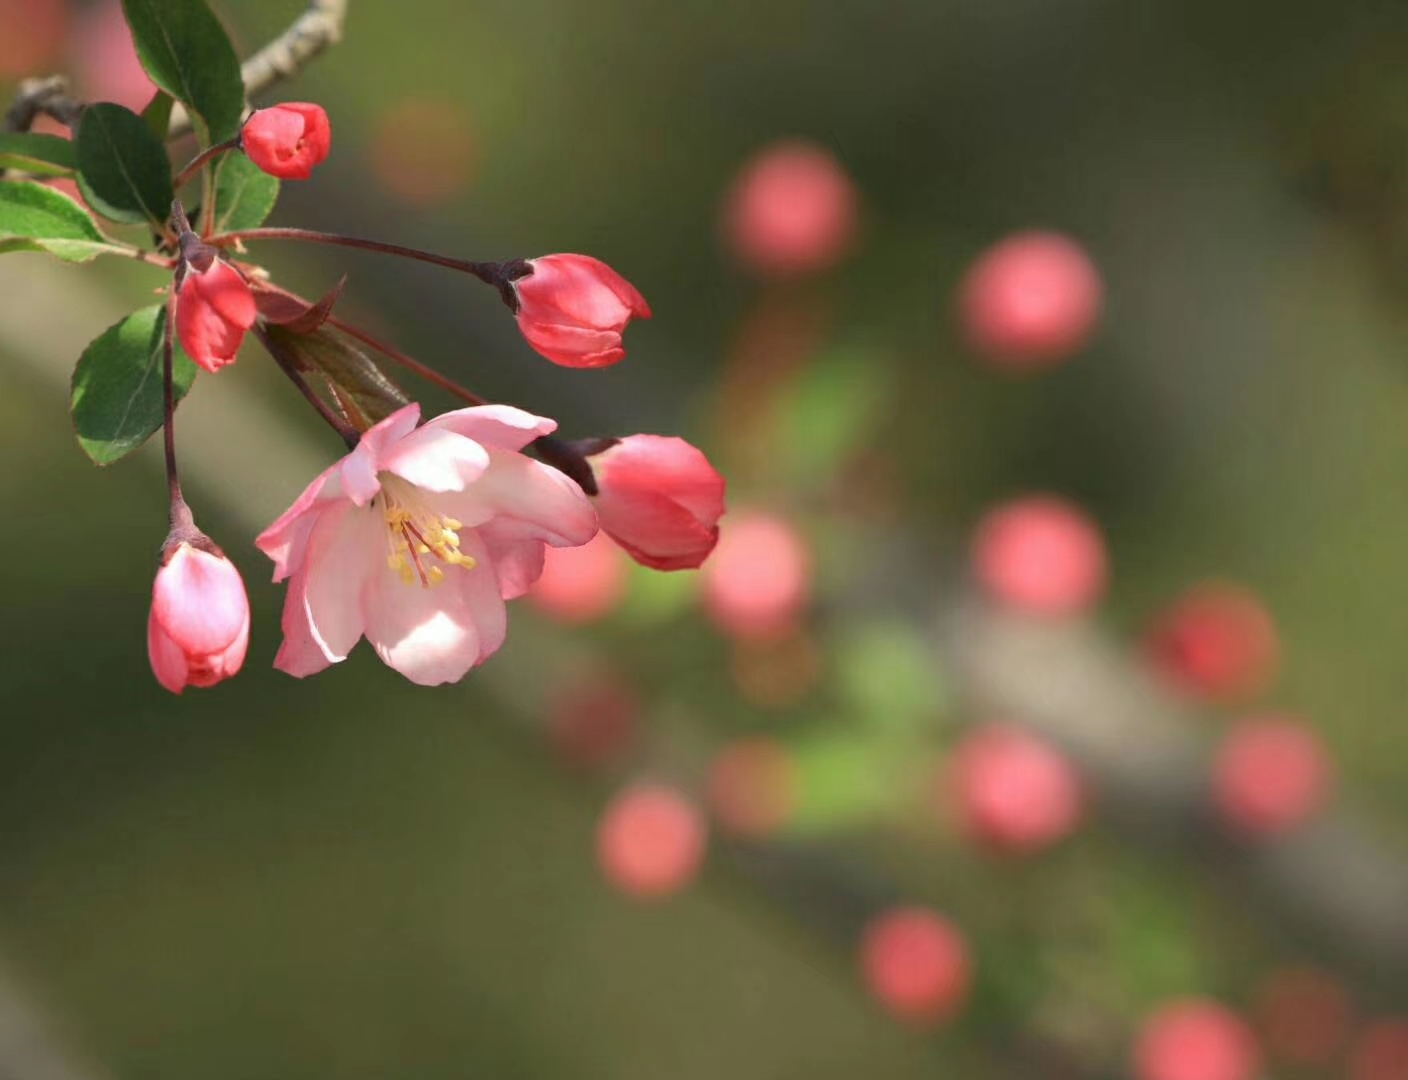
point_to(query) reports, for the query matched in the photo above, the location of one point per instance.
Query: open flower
(572, 309)
(287, 140)
(660, 499)
(416, 538)
(213, 310)
(198, 629)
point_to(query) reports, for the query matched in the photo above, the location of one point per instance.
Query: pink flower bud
(1217, 642)
(213, 310)
(1381, 1051)
(660, 499)
(1271, 773)
(1012, 791)
(759, 581)
(572, 309)
(1195, 1039)
(199, 625)
(793, 210)
(1304, 1015)
(581, 584)
(650, 841)
(1030, 301)
(916, 963)
(287, 140)
(1041, 554)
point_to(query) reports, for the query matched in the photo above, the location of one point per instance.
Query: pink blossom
(287, 140)
(573, 308)
(198, 629)
(660, 499)
(416, 538)
(213, 310)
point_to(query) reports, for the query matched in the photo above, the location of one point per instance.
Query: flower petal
(167, 659)
(501, 427)
(434, 635)
(300, 654)
(286, 540)
(531, 492)
(436, 459)
(346, 548)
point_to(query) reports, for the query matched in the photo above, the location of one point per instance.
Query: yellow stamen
(416, 535)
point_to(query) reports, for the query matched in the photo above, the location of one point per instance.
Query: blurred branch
(48, 95)
(313, 32)
(1139, 750)
(319, 27)
(28, 1050)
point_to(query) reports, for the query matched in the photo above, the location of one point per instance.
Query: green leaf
(117, 392)
(186, 52)
(833, 410)
(122, 167)
(38, 218)
(157, 114)
(244, 194)
(46, 155)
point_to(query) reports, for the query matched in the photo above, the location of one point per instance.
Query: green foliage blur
(350, 876)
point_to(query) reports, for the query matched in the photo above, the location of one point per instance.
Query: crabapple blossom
(660, 499)
(580, 584)
(573, 308)
(1011, 791)
(1270, 774)
(416, 538)
(198, 629)
(1195, 1039)
(288, 139)
(1217, 642)
(650, 841)
(1380, 1051)
(916, 964)
(759, 578)
(214, 308)
(792, 210)
(1030, 301)
(1041, 554)
(1303, 1015)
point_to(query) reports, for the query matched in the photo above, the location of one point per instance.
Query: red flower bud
(213, 310)
(660, 499)
(198, 629)
(572, 309)
(287, 140)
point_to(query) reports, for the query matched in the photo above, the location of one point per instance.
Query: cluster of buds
(418, 536)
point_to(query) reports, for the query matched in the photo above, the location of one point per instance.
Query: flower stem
(168, 401)
(289, 366)
(200, 159)
(501, 275)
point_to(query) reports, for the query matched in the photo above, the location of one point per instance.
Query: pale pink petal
(344, 551)
(382, 436)
(167, 659)
(482, 595)
(518, 487)
(518, 563)
(501, 427)
(300, 655)
(431, 635)
(199, 601)
(286, 540)
(436, 459)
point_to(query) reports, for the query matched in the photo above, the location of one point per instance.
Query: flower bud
(572, 309)
(660, 499)
(287, 140)
(198, 629)
(213, 310)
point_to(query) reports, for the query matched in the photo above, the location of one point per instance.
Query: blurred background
(1041, 712)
